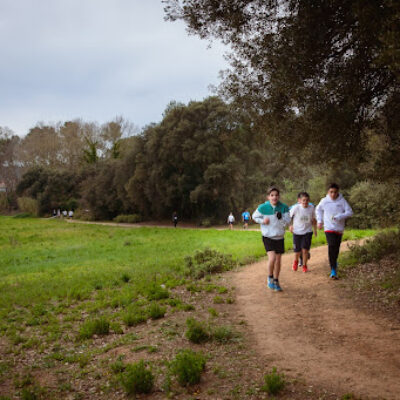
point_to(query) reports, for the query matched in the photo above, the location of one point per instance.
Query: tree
(310, 72)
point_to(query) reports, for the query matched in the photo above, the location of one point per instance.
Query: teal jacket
(276, 227)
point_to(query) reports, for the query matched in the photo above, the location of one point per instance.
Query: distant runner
(246, 218)
(231, 221)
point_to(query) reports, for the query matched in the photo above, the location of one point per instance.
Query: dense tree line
(203, 160)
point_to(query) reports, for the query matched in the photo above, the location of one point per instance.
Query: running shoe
(277, 287)
(305, 269)
(333, 274)
(271, 283)
(295, 265)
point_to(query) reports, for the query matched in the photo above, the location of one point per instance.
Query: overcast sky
(96, 59)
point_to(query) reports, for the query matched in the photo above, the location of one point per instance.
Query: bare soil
(313, 329)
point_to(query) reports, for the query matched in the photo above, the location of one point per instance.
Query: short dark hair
(303, 194)
(333, 185)
(272, 189)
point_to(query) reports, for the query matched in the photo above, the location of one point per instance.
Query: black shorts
(302, 242)
(276, 245)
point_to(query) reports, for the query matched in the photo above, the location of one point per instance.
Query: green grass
(50, 268)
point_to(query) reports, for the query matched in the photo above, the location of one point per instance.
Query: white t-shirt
(302, 218)
(231, 219)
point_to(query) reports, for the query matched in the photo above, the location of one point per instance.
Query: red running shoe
(305, 269)
(295, 265)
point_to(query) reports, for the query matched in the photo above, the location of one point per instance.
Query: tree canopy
(311, 72)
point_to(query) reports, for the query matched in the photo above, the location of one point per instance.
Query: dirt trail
(311, 329)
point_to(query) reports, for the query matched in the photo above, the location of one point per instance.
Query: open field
(58, 278)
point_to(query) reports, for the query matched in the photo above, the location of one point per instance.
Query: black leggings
(334, 241)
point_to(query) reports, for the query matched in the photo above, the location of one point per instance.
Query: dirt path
(311, 329)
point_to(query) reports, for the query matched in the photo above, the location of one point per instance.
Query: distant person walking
(246, 219)
(175, 218)
(70, 213)
(231, 221)
(332, 212)
(273, 217)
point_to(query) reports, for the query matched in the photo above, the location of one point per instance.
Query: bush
(22, 215)
(207, 262)
(134, 317)
(156, 311)
(188, 367)
(224, 334)
(83, 215)
(28, 205)
(374, 204)
(128, 218)
(382, 244)
(156, 292)
(137, 378)
(274, 382)
(100, 326)
(196, 332)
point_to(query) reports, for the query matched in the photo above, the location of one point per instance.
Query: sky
(97, 59)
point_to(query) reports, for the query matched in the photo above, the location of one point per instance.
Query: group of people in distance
(64, 213)
(245, 218)
(304, 219)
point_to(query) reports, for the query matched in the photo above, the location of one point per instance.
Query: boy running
(332, 212)
(304, 222)
(246, 219)
(273, 216)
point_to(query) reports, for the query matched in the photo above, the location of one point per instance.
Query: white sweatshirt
(333, 213)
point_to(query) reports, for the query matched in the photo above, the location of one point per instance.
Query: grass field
(57, 278)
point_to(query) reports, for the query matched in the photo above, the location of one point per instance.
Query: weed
(118, 366)
(156, 311)
(213, 312)
(134, 317)
(208, 262)
(196, 332)
(137, 378)
(188, 367)
(125, 278)
(274, 382)
(100, 326)
(156, 292)
(224, 334)
(218, 300)
(349, 396)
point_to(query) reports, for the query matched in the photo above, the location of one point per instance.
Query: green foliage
(374, 204)
(224, 334)
(208, 261)
(188, 367)
(100, 326)
(156, 311)
(155, 291)
(130, 218)
(349, 396)
(196, 331)
(274, 382)
(28, 206)
(133, 318)
(382, 244)
(137, 378)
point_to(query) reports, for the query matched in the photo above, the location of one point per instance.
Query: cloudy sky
(96, 59)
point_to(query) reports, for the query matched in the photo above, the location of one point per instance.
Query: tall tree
(311, 72)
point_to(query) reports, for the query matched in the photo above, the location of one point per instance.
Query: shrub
(128, 218)
(83, 215)
(100, 326)
(205, 222)
(224, 334)
(274, 382)
(188, 367)
(156, 311)
(28, 205)
(22, 215)
(196, 332)
(134, 317)
(369, 209)
(382, 244)
(207, 262)
(156, 292)
(137, 378)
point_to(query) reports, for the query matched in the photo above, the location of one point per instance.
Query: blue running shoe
(333, 274)
(277, 288)
(271, 283)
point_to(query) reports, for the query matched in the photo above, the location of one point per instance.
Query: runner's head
(333, 191)
(273, 195)
(304, 199)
